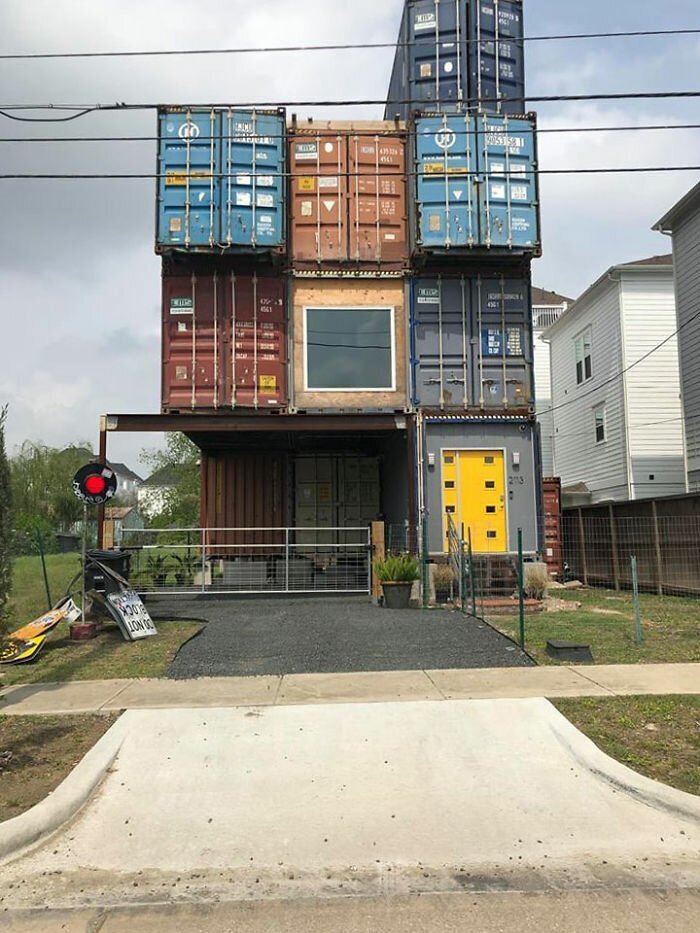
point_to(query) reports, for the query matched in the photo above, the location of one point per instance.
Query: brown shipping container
(244, 490)
(349, 195)
(554, 545)
(343, 297)
(224, 342)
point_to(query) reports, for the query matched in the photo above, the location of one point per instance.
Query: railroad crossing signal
(95, 484)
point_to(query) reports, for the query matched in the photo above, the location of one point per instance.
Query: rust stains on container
(349, 194)
(224, 341)
(349, 344)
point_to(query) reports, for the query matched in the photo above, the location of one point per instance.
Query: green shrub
(397, 568)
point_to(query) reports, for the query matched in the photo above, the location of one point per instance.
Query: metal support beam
(103, 462)
(226, 424)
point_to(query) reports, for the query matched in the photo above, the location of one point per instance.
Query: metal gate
(250, 560)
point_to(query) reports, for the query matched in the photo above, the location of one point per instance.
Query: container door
(502, 361)
(253, 203)
(319, 198)
(316, 499)
(377, 202)
(189, 183)
(359, 496)
(497, 60)
(438, 57)
(194, 352)
(474, 494)
(257, 318)
(441, 342)
(509, 194)
(447, 208)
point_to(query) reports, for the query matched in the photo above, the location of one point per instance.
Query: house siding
(602, 467)
(686, 253)
(654, 411)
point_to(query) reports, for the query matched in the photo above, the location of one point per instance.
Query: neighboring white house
(547, 308)
(153, 493)
(129, 483)
(683, 223)
(618, 425)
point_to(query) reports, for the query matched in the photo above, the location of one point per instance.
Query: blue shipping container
(477, 185)
(222, 180)
(458, 55)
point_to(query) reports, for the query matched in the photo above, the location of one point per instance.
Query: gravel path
(249, 637)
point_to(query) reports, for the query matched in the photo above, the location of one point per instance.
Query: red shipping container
(224, 341)
(553, 536)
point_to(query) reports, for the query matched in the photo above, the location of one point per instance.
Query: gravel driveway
(251, 637)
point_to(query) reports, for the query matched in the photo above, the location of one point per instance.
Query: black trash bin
(118, 561)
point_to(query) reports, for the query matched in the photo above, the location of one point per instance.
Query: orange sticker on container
(307, 183)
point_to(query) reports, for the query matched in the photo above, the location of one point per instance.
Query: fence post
(657, 546)
(472, 575)
(521, 588)
(582, 541)
(378, 552)
(638, 633)
(204, 560)
(425, 571)
(615, 553)
(286, 560)
(42, 556)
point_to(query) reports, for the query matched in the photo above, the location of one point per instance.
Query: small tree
(180, 461)
(5, 520)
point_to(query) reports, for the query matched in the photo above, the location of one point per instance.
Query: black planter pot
(397, 595)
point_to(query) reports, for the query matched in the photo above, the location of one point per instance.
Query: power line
(340, 47)
(307, 130)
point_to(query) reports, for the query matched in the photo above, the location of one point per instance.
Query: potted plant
(444, 580)
(397, 574)
(157, 569)
(187, 567)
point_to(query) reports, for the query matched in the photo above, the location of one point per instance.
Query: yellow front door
(474, 495)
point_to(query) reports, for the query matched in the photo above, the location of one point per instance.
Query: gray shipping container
(472, 343)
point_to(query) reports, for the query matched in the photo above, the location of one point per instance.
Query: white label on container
(306, 151)
(328, 148)
(518, 192)
(328, 182)
(428, 296)
(449, 68)
(425, 22)
(181, 306)
(265, 181)
(497, 168)
(390, 237)
(498, 191)
(307, 208)
(244, 199)
(265, 222)
(265, 200)
(243, 180)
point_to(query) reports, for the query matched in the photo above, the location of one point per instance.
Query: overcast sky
(78, 277)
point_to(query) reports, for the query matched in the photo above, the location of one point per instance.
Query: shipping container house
(476, 186)
(348, 195)
(484, 475)
(349, 345)
(221, 181)
(553, 531)
(224, 339)
(458, 55)
(471, 342)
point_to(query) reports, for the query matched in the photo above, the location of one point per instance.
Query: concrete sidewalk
(386, 686)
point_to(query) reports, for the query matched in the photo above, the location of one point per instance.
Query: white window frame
(346, 309)
(581, 338)
(602, 407)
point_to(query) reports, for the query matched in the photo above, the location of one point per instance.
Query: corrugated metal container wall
(553, 535)
(458, 55)
(349, 344)
(244, 490)
(349, 195)
(222, 180)
(476, 184)
(460, 356)
(224, 341)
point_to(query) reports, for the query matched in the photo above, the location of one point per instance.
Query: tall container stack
(458, 80)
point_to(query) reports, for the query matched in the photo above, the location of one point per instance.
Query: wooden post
(582, 543)
(378, 553)
(615, 554)
(657, 546)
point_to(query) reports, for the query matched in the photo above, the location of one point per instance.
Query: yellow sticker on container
(268, 383)
(307, 183)
(324, 492)
(435, 223)
(179, 179)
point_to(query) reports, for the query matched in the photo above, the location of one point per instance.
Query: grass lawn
(28, 598)
(38, 752)
(656, 736)
(605, 621)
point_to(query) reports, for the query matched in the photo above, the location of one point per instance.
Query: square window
(492, 534)
(490, 484)
(450, 485)
(489, 460)
(490, 509)
(349, 349)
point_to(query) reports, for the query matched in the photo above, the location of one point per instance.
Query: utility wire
(341, 47)
(306, 130)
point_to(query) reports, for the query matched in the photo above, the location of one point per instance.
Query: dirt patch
(551, 604)
(38, 752)
(607, 612)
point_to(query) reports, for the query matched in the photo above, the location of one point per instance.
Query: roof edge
(678, 211)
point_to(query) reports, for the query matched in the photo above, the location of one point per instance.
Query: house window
(600, 424)
(584, 365)
(350, 349)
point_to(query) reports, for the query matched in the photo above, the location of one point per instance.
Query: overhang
(231, 424)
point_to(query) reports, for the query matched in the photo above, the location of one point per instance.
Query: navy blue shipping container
(458, 55)
(222, 180)
(476, 184)
(472, 343)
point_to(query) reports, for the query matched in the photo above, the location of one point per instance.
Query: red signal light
(95, 485)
